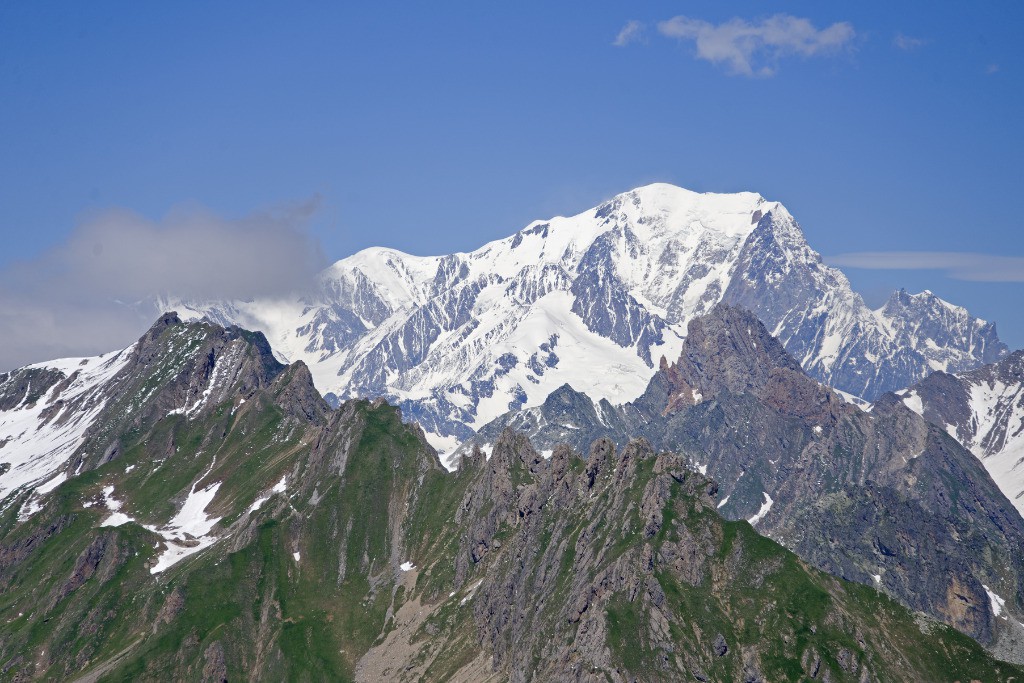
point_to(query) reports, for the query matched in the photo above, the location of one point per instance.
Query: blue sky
(436, 127)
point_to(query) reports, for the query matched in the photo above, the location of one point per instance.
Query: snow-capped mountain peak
(594, 300)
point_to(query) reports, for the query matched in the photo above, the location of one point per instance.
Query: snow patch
(279, 487)
(765, 507)
(53, 483)
(470, 592)
(407, 566)
(913, 401)
(855, 400)
(997, 603)
(116, 518)
(186, 533)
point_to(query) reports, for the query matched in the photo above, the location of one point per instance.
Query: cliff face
(984, 410)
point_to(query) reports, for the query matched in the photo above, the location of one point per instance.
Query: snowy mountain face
(45, 411)
(57, 418)
(984, 410)
(594, 301)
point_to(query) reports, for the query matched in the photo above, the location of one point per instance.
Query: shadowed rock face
(24, 387)
(881, 497)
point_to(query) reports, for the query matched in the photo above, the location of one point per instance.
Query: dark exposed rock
(23, 388)
(87, 565)
(720, 646)
(172, 607)
(215, 670)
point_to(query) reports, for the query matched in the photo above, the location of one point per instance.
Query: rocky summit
(458, 340)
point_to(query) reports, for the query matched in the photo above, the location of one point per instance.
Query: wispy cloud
(957, 265)
(754, 49)
(630, 33)
(992, 68)
(907, 43)
(81, 297)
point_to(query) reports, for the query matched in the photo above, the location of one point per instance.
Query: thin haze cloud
(907, 43)
(96, 291)
(630, 33)
(969, 266)
(753, 49)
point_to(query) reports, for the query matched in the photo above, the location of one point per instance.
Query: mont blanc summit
(594, 300)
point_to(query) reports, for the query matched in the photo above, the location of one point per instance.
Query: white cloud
(630, 33)
(753, 49)
(992, 68)
(907, 43)
(79, 298)
(957, 265)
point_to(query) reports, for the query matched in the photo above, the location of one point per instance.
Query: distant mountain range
(205, 515)
(594, 300)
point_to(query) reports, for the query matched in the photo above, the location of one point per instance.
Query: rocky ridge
(219, 521)
(880, 497)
